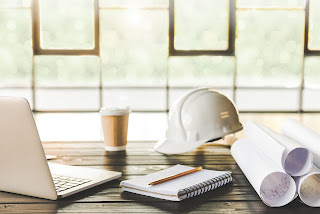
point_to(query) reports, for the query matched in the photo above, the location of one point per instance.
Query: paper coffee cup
(115, 127)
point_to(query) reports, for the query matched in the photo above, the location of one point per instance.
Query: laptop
(23, 165)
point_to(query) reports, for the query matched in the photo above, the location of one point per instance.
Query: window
(16, 49)
(67, 82)
(66, 24)
(201, 25)
(79, 55)
(134, 53)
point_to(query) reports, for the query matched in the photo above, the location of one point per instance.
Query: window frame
(231, 35)
(37, 50)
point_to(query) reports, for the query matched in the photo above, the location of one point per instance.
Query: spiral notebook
(179, 188)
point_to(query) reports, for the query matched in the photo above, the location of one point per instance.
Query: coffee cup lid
(110, 111)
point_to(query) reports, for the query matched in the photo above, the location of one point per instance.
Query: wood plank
(138, 151)
(140, 159)
(91, 144)
(147, 169)
(136, 148)
(144, 160)
(186, 206)
(240, 183)
(104, 193)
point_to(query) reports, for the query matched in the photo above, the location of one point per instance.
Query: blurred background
(70, 57)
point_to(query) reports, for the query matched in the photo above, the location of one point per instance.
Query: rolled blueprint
(287, 154)
(308, 138)
(308, 187)
(273, 185)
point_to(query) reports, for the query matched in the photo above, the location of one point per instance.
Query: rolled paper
(308, 187)
(286, 153)
(275, 187)
(303, 135)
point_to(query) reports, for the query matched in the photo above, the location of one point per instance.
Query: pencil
(176, 176)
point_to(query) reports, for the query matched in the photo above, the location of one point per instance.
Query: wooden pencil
(176, 176)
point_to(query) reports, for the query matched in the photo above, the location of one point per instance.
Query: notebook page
(171, 187)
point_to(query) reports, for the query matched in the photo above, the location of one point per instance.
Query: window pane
(147, 126)
(312, 72)
(18, 92)
(269, 47)
(314, 27)
(72, 99)
(201, 71)
(201, 24)
(137, 98)
(67, 24)
(61, 74)
(67, 70)
(15, 3)
(69, 127)
(87, 127)
(271, 3)
(134, 47)
(311, 99)
(134, 3)
(15, 47)
(267, 99)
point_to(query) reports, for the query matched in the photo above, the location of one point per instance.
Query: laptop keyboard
(63, 183)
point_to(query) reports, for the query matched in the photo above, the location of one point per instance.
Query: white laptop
(23, 165)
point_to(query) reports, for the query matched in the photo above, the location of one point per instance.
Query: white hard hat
(199, 116)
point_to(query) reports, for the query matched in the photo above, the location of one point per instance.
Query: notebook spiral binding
(206, 186)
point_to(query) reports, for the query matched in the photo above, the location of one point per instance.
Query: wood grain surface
(141, 159)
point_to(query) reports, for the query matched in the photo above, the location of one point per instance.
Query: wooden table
(140, 159)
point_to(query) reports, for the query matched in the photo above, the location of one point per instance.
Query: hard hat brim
(166, 147)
